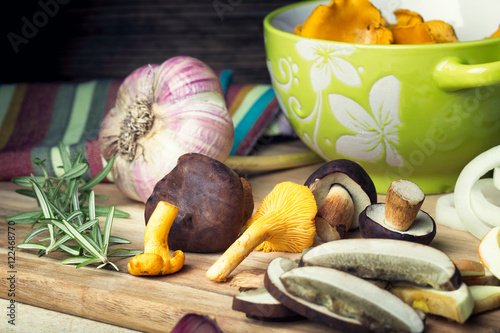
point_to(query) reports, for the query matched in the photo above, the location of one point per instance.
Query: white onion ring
(446, 214)
(476, 168)
(485, 201)
(496, 177)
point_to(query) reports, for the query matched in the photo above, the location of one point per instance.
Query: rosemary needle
(69, 215)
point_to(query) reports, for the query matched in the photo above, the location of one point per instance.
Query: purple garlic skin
(196, 323)
(162, 112)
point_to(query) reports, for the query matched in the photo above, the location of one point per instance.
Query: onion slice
(446, 213)
(472, 172)
(496, 177)
(485, 201)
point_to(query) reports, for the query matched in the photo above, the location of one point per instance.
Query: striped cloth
(34, 117)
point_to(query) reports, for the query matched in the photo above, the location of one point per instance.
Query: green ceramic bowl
(419, 112)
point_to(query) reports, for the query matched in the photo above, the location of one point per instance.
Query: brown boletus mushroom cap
(212, 202)
(356, 182)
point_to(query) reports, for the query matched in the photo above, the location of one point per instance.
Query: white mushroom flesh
(352, 296)
(358, 195)
(387, 259)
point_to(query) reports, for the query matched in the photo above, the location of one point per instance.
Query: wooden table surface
(155, 304)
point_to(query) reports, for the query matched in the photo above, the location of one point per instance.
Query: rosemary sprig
(69, 215)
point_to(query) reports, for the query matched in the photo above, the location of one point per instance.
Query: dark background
(77, 40)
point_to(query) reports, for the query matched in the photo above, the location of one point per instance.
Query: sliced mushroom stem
(238, 251)
(335, 215)
(456, 304)
(469, 267)
(403, 201)
(485, 298)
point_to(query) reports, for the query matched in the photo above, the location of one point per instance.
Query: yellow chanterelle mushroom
(496, 33)
(283, 222)
(353, 21)
(156, 259)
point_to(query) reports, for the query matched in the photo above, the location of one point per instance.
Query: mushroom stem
(239, 250)
(403, 201)
(335, 215)
(156, 258)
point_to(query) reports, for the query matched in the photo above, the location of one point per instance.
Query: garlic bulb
(162, 112)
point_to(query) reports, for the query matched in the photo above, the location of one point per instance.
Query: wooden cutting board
(155, 304)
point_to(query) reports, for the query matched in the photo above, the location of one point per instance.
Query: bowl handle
(451, 73)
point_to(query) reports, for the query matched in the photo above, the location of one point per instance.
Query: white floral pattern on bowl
(375, 132)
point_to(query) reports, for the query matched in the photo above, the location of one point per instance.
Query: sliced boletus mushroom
(486, 298)
(272, 282)
(372, 225)
(488, 279)
(468, 267)
(342, 190)
(474, 273)
(400, 216)
(259, 304)
(212, 201)
(387, 259)
(456, 304)
(340, 300)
